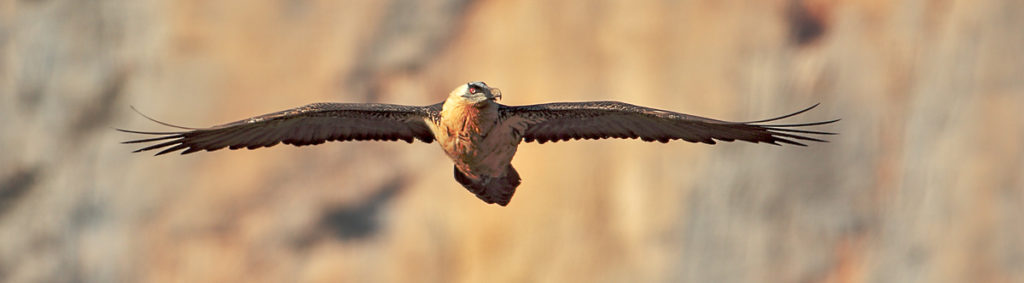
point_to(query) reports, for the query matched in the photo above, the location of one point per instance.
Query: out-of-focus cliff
(924, 183)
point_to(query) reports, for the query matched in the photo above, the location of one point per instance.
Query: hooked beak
(496, 93)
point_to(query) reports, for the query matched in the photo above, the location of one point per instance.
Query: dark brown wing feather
(311, 124)
(611, 119)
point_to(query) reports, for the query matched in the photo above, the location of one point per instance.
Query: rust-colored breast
(463, 129)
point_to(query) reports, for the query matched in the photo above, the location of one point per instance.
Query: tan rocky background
(924, 184)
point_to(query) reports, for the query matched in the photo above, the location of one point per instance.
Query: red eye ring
(472, 89)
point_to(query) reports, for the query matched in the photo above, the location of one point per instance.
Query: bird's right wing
(612, 119)
(307, 125)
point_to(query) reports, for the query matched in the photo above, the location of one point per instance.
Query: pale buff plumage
(468, 132)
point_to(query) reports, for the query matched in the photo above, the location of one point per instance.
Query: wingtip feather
(157, 121)
(784, 116)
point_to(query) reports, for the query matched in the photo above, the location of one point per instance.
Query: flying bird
(478, 134)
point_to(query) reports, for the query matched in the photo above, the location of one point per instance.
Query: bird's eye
(472, 89)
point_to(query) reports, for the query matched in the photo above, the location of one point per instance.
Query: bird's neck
(461, 115)
(459, 104)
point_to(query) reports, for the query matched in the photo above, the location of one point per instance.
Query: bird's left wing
(307, 125)
(612, 119)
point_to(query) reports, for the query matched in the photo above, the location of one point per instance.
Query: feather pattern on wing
(307, 125)
(611, 119)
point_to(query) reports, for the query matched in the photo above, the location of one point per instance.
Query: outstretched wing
(307, 125)
(611, 119)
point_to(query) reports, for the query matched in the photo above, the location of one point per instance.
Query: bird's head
(476, 92)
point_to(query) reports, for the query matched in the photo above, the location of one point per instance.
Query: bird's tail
(491, 189)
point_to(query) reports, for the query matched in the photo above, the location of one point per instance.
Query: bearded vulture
(477, 133)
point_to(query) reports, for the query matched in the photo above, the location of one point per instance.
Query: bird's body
(469, 134)
(482, 149)
(478, 134)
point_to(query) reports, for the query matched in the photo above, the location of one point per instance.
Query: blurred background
(924, 183)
